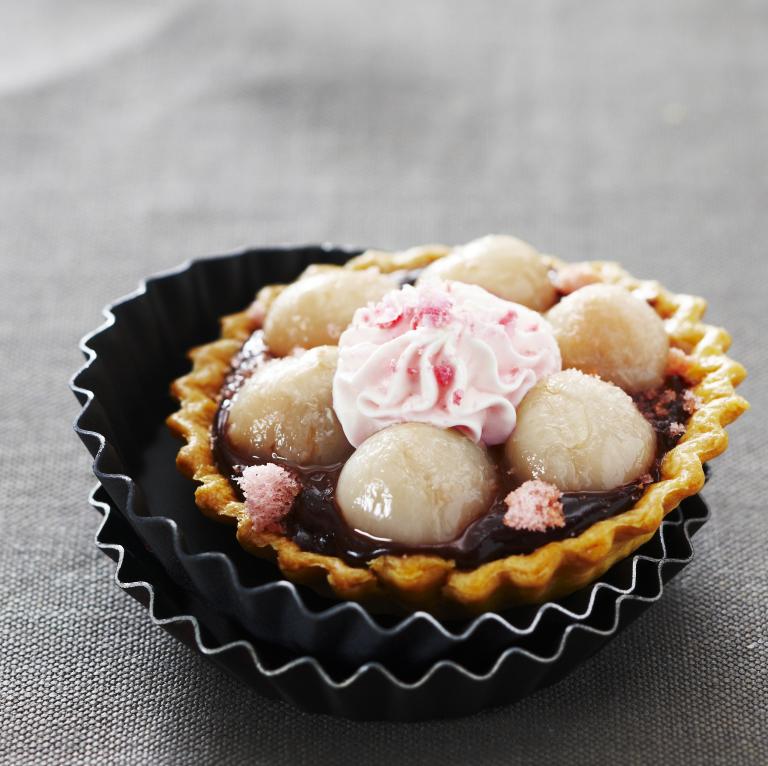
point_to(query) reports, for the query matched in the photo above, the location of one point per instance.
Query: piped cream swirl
(445, 353)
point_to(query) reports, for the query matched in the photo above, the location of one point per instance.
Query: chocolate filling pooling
(316, 524)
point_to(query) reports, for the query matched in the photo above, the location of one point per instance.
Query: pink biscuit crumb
(534, 507)
(444, 373)
(662, 405)
(676, 429)
(691, 402)
(387, 317)
(435, 314)
(508, 318)
(667, 397)
(269, 494)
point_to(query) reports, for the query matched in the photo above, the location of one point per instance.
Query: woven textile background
(134, 135)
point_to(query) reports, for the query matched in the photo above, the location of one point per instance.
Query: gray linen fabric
(134, 135)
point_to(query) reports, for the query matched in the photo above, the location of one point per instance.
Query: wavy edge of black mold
(372, 691)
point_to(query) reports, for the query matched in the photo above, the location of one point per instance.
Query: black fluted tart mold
(123, 390)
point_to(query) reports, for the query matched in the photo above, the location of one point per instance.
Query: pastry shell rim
(397, 583)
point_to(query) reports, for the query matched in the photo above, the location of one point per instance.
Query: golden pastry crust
(397, 583)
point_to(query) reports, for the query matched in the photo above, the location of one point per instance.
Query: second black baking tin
(373, 691)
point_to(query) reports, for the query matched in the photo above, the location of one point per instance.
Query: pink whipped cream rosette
(445, 353)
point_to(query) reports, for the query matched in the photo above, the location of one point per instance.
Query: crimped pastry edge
(398, 583)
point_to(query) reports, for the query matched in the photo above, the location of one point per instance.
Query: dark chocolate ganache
(316, 524)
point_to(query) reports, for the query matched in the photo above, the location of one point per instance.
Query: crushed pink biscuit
(269, 493)
(432, 315)
(662, 405)
(676, 429)
(691, 402)
(667, 397)
(444, 373)
(389, 324)
(534, 507)
(573, 277)
(656, 402)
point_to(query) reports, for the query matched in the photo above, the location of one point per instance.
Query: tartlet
(392, 575)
